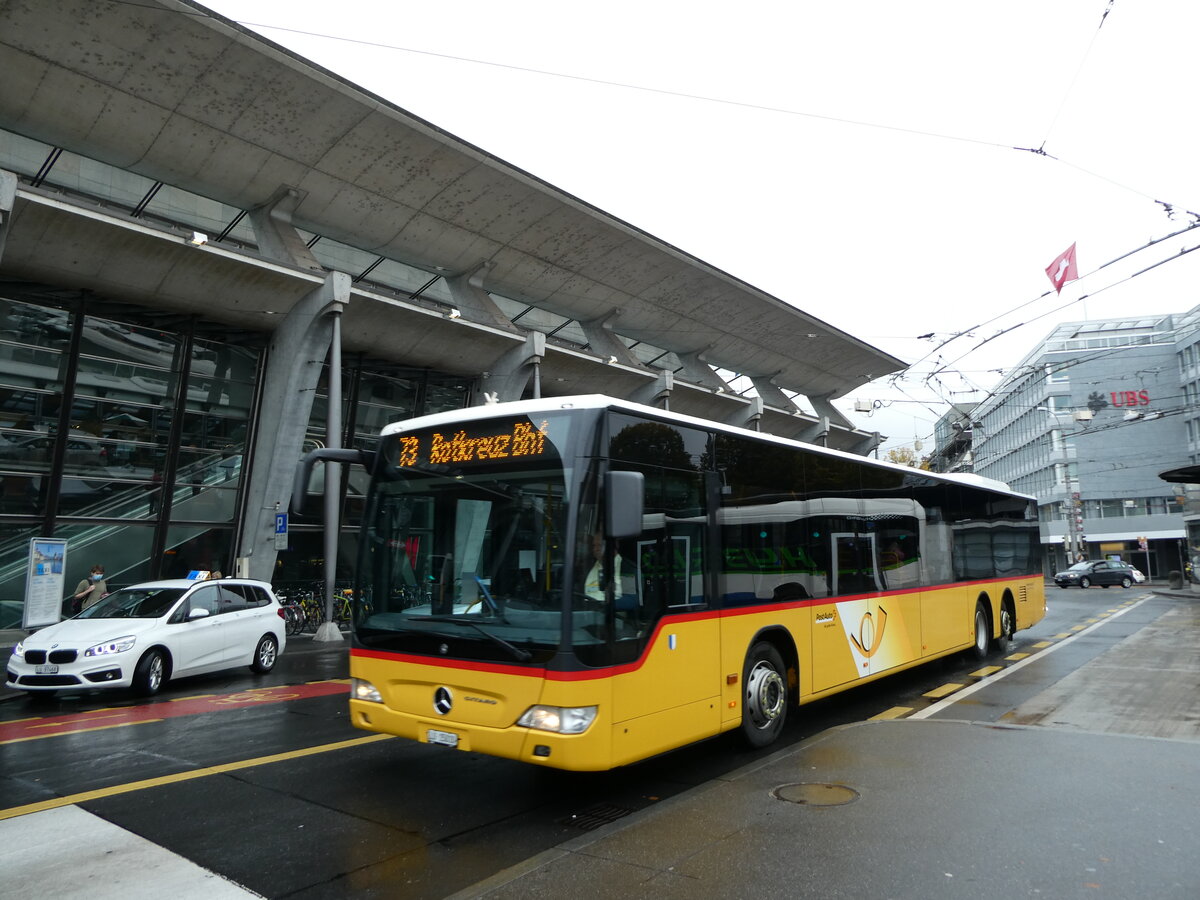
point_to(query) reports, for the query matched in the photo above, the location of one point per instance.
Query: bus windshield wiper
(517, 652)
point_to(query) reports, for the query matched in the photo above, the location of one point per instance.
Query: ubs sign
(1130, 398)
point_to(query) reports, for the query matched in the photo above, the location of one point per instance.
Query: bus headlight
(559, 719)
(364, 690)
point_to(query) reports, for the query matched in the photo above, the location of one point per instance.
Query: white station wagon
(144, 635)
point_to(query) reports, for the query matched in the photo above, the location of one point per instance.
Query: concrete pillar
(277, 238)
(867, 445)
(826, 410)
(698, 371)
(507, 377)
(658, 393)
(604, 343)
(749, 416)
(8, 199)
(817, 433)
(474, 303)
(771, 393)
(295, 357)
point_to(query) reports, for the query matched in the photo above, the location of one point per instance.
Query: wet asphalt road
(288, 800)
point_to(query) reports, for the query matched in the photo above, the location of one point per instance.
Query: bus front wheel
(1007, 628)
(983, 632)
(764, 695)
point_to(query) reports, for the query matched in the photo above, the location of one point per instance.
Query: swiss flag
(1063, 269)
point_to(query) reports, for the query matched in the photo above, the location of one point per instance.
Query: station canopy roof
(173, 92)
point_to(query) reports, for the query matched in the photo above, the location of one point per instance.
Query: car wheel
(1126, 582)
(265, 654)
(1062, 587)
(1085, 582)
(150, 674)
(764, 695)
(983, 637)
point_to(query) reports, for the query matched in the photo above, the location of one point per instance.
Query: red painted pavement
(51, 726)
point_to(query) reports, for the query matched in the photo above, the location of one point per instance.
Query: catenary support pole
(329, 630)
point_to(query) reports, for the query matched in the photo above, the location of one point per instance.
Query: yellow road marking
(1014, 657)
(38, 737)
(896, 712)
(72, 799)
(985, 671)
(192, 697)
(1078, 627)
(942, 691)
(1042, 645)
(1061, 635)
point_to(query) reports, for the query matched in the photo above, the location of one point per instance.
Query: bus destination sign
(520, 439)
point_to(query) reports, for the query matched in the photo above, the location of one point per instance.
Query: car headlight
(19, 650)
(364, 690)
(120, 645)
(559, 719)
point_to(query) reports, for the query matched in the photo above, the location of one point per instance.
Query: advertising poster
(44, 582)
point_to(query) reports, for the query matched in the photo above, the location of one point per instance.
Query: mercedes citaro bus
(584, 582)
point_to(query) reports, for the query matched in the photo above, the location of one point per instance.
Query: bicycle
(293, 617)
(313, 611)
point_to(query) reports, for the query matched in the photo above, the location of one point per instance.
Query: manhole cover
(816, 794)
(601, 814)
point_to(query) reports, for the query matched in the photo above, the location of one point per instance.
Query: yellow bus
(583, 582)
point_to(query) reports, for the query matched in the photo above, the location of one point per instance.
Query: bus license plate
(445, 738)
(46, 670)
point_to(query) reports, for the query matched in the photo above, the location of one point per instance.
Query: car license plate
(445, 738)
(46, 670)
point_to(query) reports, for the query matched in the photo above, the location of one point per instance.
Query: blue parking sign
(281, 525)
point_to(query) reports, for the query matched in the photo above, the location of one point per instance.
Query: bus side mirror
(624, 504)
(365, 458)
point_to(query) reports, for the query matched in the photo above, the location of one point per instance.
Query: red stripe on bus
(586, 674)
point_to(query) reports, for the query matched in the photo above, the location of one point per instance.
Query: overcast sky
(868, 161)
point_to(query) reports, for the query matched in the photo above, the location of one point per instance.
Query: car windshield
(1080, 567)
(134, 603)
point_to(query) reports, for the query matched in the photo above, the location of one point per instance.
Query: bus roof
(600, 401)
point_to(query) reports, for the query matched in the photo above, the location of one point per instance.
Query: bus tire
(1008, 626)
(983, 632)
(764, 695)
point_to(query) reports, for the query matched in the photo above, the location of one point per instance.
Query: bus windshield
(464, 550)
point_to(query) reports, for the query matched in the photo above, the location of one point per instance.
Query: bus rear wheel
(764, 695)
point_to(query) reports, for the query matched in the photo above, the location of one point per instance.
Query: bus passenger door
(669, 695)
(682, 659)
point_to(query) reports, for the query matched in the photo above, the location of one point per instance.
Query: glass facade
(127, 441)
(131, 443)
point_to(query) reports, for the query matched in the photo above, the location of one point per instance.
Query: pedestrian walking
(90, 590)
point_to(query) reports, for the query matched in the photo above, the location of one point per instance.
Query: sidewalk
(924, 809)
